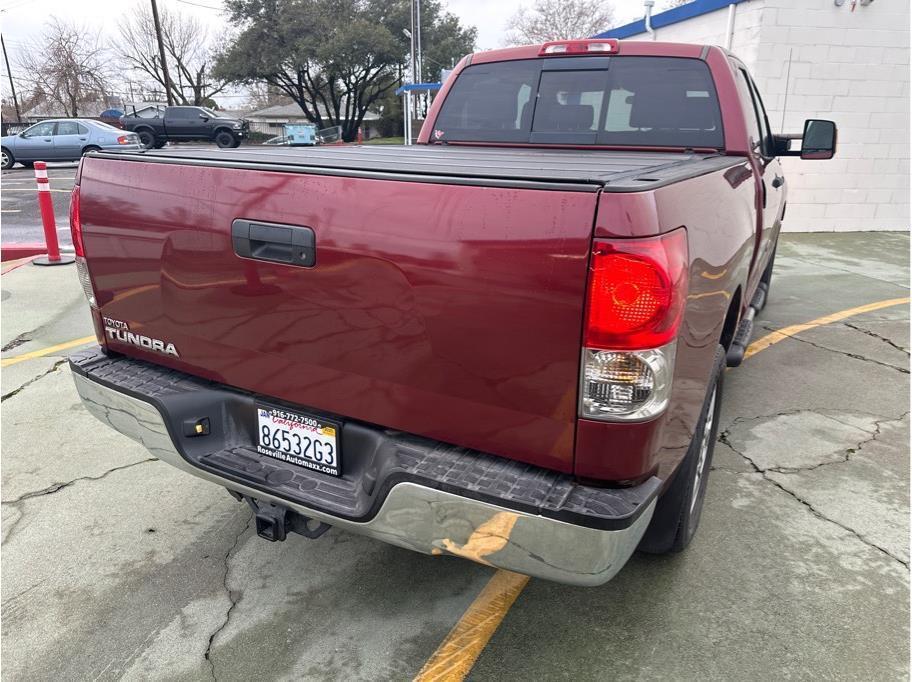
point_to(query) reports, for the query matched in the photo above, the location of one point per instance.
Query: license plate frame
(300, 438)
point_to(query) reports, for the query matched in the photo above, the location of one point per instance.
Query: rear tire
(146, 138)
(7, 158)
(90, 148)
(160, 143)
(678, 510)
(225, 140)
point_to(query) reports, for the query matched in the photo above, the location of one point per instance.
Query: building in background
(845, 60)
(272, 120)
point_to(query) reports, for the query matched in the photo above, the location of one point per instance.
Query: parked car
(505, 343)
(158, 125)
(63, 140)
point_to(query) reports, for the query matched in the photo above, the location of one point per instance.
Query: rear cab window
(614, 101)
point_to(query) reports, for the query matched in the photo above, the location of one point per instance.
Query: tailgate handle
(289, 244)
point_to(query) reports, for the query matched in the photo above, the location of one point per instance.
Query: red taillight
(76, 223)
(637, 290)
(578, 47)
(123, 139)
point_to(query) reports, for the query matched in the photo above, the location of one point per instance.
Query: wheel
(160, 143)
(7, 158)
(677, 512)
(146, 138)
(224, 139)
(90, 148)
(237, 142)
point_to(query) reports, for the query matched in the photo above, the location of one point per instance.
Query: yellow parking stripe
(6, 362)
(456, 655)
(784, 333)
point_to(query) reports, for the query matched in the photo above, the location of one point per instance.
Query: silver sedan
(63, 140)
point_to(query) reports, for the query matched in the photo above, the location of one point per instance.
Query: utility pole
(417, 31)
(161, 53)
(12, 85)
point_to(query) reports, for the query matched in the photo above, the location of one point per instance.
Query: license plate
(301, 439)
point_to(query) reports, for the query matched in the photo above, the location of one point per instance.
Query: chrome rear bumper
(415, 516)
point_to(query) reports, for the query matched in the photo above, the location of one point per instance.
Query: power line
(14, 5)
(196, 4)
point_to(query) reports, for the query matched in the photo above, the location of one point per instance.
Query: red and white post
(46, 205)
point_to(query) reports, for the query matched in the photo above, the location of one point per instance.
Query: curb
(10, 252)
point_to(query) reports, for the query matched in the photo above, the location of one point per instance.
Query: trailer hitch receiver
(274, 522)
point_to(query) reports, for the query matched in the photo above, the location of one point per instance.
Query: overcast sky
(21, 21)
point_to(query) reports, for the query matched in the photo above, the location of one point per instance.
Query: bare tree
(186, 50)
(559, 20)
(261, 95)
(669, 4)
(66, 68)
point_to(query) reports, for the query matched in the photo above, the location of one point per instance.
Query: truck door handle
(275, 243)
(778, 181)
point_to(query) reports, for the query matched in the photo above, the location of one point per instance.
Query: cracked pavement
(117, 566)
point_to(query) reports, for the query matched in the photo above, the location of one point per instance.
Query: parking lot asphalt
(20, 218)
(116, 566)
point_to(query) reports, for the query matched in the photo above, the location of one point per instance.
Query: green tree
(335, 58)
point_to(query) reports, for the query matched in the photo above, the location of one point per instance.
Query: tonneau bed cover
(565, 169)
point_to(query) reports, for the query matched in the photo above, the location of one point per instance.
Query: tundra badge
(117, 330)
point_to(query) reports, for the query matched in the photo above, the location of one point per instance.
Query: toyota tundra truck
(505, 342)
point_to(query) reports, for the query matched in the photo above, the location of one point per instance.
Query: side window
(41, 130)
(83, 130)
(767, 137)
(617, 117)
(747, 104)
(522, 104)
(67, 128)
(754, 129)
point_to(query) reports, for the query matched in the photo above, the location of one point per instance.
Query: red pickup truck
(504, 343)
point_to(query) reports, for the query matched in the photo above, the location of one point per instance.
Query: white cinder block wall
(815, 59)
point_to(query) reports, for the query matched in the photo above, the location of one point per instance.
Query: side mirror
(818, 141)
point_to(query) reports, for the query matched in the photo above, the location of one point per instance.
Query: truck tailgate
(452, 311)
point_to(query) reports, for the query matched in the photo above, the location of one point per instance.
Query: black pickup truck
(157, 126)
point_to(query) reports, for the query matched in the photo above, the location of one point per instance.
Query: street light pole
(12, 85)
(412, 42)
(161, 54)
